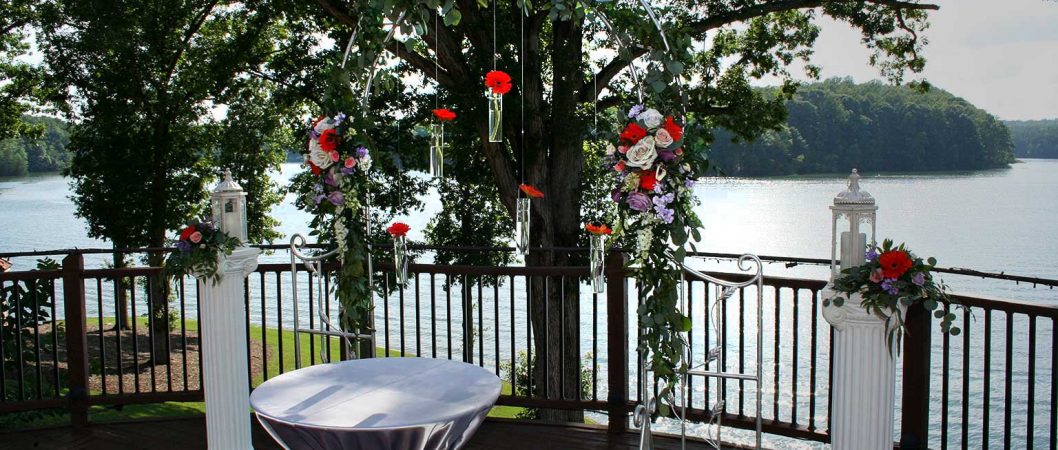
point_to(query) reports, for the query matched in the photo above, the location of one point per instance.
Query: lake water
(1000, 221)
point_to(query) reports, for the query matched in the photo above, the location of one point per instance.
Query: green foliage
(526, 386)
(837, 124)
(1034, 138)
(13, 160)
(891, 279)
(21, 84)
(24, 305)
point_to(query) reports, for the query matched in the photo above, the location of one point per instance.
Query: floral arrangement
(333, 191)
(198, 246)
(498, 84)
(653, 178)
(893, 277)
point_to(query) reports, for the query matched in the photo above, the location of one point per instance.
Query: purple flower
(313, 134)
(339, 119)
(689, 182)
(329, 180)
(615, 195)
(347, 170)
(889, 286)
(638, 201)
(635, 111)
(183, 246)
(336, 198)
(660, 207)
(319, 198)
(919, 278)
(317, 188)
(667, 155)
(361, 152)
(871, 255)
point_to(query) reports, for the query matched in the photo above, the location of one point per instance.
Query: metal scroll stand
(710, 368)
(314, 265)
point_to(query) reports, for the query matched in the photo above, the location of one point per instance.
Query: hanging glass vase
(400, 258)
(495, 102)
(437, 162)
(597, 256)
(521, 227)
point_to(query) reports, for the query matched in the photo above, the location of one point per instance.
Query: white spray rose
(642, 154)
(365, 163)
(319, 157)
(610, 149)
(662, 138)
(324, 125)
(651, 118)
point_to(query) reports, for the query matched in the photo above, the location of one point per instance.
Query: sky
(1001, 55)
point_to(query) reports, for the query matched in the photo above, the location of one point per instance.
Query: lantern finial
(853, 195)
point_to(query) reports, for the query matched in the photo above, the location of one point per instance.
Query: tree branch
(750, 12)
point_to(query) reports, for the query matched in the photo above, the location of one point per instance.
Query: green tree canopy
(1034, 138)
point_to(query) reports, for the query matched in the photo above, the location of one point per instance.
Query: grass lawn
(184, 409)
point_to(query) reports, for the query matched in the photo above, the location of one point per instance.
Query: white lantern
(852, 228)
(229, 207)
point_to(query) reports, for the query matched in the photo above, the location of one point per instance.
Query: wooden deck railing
(481, 315)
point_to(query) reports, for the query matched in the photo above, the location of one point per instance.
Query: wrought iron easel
(314, 266)
(710, 368)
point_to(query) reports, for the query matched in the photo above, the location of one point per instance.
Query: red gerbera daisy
(894, 263)
(498, 81)
(531, 192)
(648, 179)
(598, 229)
(329, 140)
(633, 133)
(444, 115)
(186, 233)
(398, 229)
(674, 129)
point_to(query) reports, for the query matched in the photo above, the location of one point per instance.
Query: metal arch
(374, 63)
(620, 43)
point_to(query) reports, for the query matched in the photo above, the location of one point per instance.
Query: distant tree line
(836, 125)
(42, 149)
(1034, 138)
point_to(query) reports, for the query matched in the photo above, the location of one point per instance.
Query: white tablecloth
(379, 403)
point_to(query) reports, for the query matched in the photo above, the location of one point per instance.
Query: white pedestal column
(862, 387)
(224, 352)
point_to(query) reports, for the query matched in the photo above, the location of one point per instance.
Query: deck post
(617, 342)
(914, 408)
(224, 351)
(76, 337)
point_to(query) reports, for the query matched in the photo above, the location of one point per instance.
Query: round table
(378, 403)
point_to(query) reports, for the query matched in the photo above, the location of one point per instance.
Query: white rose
(662, 138)
(610, 149)
(365, 163)
(651, 118)
(642, 154)
(324, 125)
(319, 157)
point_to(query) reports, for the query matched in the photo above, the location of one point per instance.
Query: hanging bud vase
(521, 227)
(400, 258)
(437, 162)
(495, 102)
(598, 255)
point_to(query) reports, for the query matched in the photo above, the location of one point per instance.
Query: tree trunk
(121, 294)
(158, 297)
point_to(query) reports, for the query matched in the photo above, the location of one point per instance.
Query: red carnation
(530, 191)
(315, 169)
(648, 179)
(673, 128)
(444, 115)
(633, 133)
(329, 140)
(498, 81)
(894, 263)
(186, 233)
(398, 229)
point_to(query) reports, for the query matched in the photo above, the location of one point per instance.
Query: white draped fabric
(381, 403)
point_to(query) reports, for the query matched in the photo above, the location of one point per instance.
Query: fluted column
(862, 385)
(224, 352)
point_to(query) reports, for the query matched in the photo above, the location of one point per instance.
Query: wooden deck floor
(190, 433)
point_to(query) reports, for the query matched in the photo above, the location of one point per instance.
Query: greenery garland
(653, 178)
(334, 190)
(198, 247)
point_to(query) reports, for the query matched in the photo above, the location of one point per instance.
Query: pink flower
(195, 237)
(350, 162)
(622, 149)
(620, 166)
(877, 276)
(334, 156)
